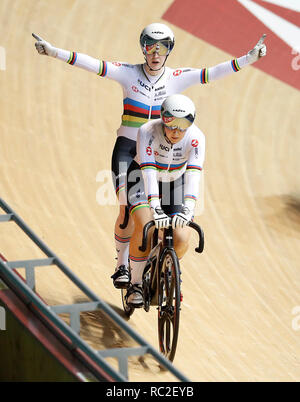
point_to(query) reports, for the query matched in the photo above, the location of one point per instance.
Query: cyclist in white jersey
(164, 176)
(145, 86)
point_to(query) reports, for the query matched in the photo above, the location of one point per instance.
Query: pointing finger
(37, 37)
(261, 41)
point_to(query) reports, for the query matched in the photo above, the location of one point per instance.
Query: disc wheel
(169, 305)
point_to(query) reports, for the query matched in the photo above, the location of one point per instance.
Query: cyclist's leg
(140, 213)
(123, 154)
(172, 194)
(181, 238)
(137, 257)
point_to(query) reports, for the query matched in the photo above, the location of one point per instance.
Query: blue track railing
(26, 289)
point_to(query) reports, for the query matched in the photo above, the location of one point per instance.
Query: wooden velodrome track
(58, 126)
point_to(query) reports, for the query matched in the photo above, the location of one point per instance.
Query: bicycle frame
(156, 256)
(161, 285)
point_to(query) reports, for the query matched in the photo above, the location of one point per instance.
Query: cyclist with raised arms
(163, 181)
(145, 86)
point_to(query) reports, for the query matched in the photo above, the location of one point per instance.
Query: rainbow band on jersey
(148, 165)
(137, 113)
(72, 58)
(193, 168)
(190, 197)
(102, 69)
(204, 76)
(235, 65)
(152, 197)
(136, 206)
(121, 187)
(161, 166)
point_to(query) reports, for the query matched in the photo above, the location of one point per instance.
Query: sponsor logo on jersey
(134, 88)
(115, 63)
(195, 143)
(161, 93)
(177, 73)
(160, 98)
(149, 151)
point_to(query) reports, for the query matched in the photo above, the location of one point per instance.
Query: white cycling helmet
(154, 33)
(178, 112)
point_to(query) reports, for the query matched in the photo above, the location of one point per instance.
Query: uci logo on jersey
(142, 84)
(164, 147)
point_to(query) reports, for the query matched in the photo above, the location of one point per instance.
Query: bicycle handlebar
(200, 232)
(192, 225)
(145, 235)
(126, 219)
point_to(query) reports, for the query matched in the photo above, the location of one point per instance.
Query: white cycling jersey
(161, 160)
(143, 94)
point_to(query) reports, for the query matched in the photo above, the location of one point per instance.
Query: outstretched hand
(43, 47)
(259, 50)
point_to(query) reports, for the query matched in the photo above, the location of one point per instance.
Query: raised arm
(80, 60)
(186, 77)
(226, 68)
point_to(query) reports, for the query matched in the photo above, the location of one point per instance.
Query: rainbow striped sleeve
(102, 69)
(204, 76)
(190, 197)
(193, 168)
(148, 165)
(72, 58)
(152, 197)
(235, 65)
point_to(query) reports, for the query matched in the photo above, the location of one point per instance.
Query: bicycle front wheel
(169, 304)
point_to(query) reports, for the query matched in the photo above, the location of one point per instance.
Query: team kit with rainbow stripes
(143, 95)
(156, 141)
(163, 162)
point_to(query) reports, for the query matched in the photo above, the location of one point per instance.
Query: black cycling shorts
(171, 194)
(123, 154)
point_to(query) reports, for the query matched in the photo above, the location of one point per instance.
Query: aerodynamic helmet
(178, 111)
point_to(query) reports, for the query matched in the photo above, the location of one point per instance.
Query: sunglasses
(176, 123)
(161, 47)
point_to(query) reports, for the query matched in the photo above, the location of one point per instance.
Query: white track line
(284, 29)
(290, 4)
